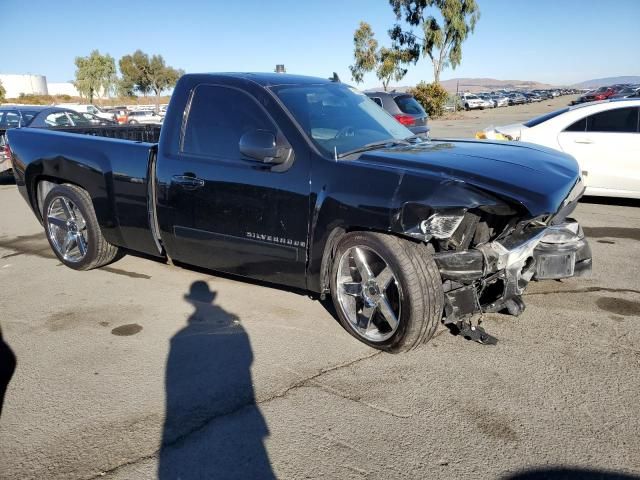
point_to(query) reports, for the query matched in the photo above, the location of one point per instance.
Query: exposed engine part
(493, 276)
(477, 334)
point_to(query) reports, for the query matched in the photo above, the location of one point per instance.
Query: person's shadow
(213, 427)
(7, 367)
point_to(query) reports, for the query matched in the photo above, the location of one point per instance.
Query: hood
(537, 177)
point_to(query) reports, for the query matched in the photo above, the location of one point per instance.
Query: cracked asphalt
(144, 370)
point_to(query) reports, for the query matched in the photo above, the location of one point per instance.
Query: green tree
(134, 69)
(95, 73)
(144, 74)
(432, 96)
(3, 92)
(440, 41)
(387, 62)
(390, 67)
(161, 77)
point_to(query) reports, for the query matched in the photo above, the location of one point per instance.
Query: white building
(27, 84)
(62, 88)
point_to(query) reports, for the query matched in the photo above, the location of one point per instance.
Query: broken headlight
(442, 224)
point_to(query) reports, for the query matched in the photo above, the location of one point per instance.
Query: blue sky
(554, 41)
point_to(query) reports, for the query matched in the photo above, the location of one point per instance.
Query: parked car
(92, 109)
(488, 101)
(604, 137)
(15, 116)
(472, 102)
(305, 182)
(144, 116)
(95, 120)
(59, 117)
(532, 97)
(627, 92)
(602, 93)
(121, 114)
(404, 108)
(12, 116)
(516, 99)
(500, 100)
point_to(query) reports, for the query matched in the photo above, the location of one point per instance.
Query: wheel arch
(330, 247)
(40, 184)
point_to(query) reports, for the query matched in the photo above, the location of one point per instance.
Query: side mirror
(261, 145)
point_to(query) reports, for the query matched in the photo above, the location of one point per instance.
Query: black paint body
(250, 219)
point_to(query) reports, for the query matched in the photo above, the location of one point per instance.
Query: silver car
(144, 117)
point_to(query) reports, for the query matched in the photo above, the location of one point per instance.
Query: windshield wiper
(392, 142)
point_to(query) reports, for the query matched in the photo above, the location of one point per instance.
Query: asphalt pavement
(144, 370)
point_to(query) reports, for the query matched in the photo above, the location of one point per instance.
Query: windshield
(338, 118)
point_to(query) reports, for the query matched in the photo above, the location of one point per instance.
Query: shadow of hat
(199, 292)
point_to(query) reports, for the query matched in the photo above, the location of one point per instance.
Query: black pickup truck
(306, 182)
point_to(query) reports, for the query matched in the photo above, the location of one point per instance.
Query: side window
(218, 117)
(9, 120)
(78, 119)
(579, 126)
(58, 119)
(619, 120)
(91, 109)
(378, 100)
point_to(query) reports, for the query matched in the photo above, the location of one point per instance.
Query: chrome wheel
(369, 294)
(67, 229)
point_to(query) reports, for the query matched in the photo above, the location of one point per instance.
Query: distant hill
(603, 82)
(482, 84)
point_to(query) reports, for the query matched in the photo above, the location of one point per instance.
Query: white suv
(470, 101)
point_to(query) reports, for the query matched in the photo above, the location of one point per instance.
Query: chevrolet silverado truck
(307, 183)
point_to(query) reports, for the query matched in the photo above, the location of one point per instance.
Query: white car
(471, 102)
(604, 137)
(93, 109)
(500, 100)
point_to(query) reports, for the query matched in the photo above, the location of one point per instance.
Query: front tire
(387, 292)
(72, 229)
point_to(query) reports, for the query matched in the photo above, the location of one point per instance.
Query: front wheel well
(332, 243)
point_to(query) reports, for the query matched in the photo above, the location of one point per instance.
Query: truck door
(229, 212)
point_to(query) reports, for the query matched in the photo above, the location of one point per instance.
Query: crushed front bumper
(493, 277)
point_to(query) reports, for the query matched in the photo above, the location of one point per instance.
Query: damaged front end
(493, 276)
(488, 259)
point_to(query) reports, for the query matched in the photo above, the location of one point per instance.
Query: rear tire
(387, 292)
(72, 229)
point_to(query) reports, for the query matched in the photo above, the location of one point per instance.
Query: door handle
(583, 140)
(187, 182)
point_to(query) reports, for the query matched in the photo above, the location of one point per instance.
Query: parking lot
(276, 388)
(466, 124)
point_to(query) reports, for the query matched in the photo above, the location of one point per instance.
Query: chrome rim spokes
(368, 294)
(67, 229)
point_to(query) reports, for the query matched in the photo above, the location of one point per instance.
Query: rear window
(408, 104)
(543, 118)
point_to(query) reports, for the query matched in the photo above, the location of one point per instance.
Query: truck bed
(136, 133)
(111, 163)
